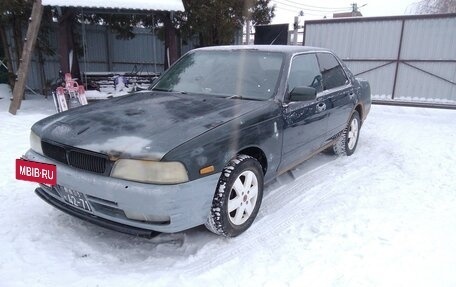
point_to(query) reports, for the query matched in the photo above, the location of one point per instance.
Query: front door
(305, 123)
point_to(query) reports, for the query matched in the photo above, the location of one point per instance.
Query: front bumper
(93, 218)
(162, 208)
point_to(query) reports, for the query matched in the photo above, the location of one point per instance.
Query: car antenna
(273, 41)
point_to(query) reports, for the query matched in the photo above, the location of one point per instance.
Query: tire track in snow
(282, 207)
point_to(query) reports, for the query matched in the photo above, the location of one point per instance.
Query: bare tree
(436, 6)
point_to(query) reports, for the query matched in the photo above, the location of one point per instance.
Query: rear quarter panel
(362, 91)
(364, 96)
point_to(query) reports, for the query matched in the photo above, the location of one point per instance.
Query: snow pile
(5, 91)
(381, 97)
(169, 5)
(385, 216)
(434, 99)
(113, 92)
(104, 94)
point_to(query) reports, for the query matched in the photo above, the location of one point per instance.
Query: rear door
(338, 93)
(305, 123)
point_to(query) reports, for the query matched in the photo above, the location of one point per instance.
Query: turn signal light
(207, 169)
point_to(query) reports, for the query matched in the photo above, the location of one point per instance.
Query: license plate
(75, 198)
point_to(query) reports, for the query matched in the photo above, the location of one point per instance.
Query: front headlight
(35, 143)
(150, 171)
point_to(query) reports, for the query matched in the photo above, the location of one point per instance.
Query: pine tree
(217, 21)
(437, 6)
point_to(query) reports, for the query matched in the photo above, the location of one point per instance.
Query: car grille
(82, 159)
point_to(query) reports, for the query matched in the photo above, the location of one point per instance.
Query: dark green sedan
(200, 145)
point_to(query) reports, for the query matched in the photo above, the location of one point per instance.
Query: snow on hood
(144, 125)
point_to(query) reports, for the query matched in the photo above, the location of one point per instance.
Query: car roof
(266, 48)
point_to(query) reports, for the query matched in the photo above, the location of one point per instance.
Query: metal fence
(103, 53)
(405, 58)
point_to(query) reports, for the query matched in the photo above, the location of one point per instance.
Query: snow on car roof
(269, 48)
(168, 5)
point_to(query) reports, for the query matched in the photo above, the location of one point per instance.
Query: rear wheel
(348, 140)
(237, 197)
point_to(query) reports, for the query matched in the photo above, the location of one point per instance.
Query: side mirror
(302, 94)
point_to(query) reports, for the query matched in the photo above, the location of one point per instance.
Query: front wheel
(237, 197)
(348, 140)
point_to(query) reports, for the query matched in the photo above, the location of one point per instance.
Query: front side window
(333, 74)
(305, 72)
(248, 74)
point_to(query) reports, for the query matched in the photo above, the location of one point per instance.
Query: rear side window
(333, 74)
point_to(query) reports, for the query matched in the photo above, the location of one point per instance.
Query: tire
(235, 205)
(348, 140)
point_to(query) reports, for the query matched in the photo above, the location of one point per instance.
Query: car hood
(145, 125)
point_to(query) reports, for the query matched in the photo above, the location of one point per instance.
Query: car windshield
(246, 74)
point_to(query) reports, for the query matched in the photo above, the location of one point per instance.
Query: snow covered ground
(385, 216)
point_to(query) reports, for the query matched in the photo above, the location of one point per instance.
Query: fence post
(398, 59)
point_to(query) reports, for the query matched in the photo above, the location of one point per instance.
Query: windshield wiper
(243, 98)
(169, 91)
(235, 97)
(161, 90)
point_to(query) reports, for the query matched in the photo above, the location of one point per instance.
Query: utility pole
(27, 51)
(295, 30)
(296, 27)
(247, 31)
(354, 9)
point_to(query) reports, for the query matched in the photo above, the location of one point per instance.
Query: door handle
(321, 107)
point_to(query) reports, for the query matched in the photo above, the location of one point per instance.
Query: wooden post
(108, 49)
(27, 51)
(9, 65)
(170, 40)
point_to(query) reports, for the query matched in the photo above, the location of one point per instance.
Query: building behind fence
(103, 53)
(406, 58)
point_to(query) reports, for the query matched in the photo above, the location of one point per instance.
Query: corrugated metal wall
(411, 58)
(105, 53)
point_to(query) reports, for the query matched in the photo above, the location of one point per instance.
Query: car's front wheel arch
(257, 154)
